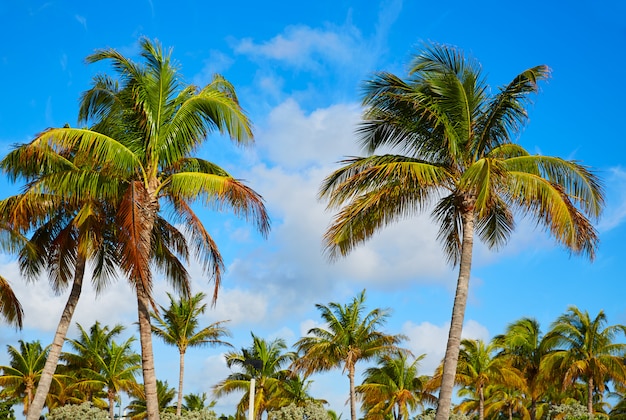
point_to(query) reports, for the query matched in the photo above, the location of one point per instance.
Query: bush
(311, 411)
(189, 415)
(85, 410)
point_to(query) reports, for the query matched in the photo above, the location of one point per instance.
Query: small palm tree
(264, 362)
(90, 349)
(115, 369)
(137, 408)
(450, 144)
(21, 376)
(349, 337)
(587, 350)
(394, 388)
(479, 366)
(178, 326)
(527, 348)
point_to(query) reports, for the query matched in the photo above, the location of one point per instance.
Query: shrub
(85, 410)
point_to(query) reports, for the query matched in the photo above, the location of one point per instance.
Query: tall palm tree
(66, 235)
(587, 350)
(144, 129)
(526, 346)
(453, 146)
(265, 362)
(20, 377)
(394, 388)
(178, 326)
(350, 336)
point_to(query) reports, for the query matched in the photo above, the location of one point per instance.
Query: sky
(298, 69)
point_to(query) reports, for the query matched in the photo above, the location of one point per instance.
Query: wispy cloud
(82, 20)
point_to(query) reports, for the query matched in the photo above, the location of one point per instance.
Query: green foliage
(6, 409)
(309, 411)
(83, 411)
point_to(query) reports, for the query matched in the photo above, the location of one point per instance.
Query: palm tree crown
(453, 150)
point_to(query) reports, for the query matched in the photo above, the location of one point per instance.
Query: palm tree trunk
(352, 392)
(481, 403)
(111, 396)
(451, 357)
(590, 397)
(34, 411)
(181, 373)
(147, 356)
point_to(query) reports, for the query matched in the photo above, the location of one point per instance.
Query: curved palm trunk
(352, 392)
(147, 356)
(451, 358)
(181, 373)
(590, 397)
(34, 411)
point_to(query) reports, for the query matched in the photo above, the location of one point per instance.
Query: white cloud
(301, 46)
(429, 339)
(82, 20)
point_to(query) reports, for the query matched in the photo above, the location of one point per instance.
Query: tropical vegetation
(117, 197)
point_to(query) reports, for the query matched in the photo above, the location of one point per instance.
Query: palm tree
(350, 336)
(455, 149)
(394, 388)
(499, 399)
(90, 349)
(66, 235)
(10, 306)
(137, 408)
(114, 370)
(478, 367)
(527, 348)
(20, 377)
(179, 327)
(264, 362)
(143, 131)
(587, 351)
(196, 402)
(293, 390)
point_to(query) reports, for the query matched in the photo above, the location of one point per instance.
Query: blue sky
(298, 68)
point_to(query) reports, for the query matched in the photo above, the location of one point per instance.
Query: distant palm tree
(293, 390)
(89, 351)
(137, 408)
(394, 388)
(526, 346)
(479, 366)
(587, 350)
(196, 402)
(265, 362)
(20, 377)
(178, 326)
(450, 143)
(115, 369)
(501, 399)
(350, 336)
